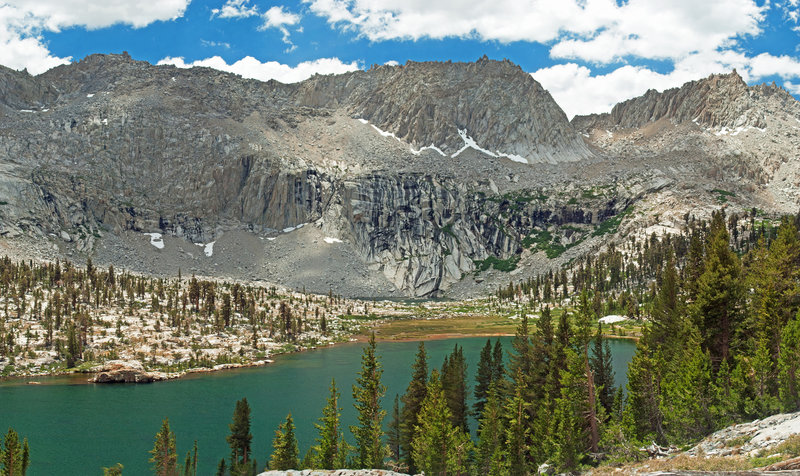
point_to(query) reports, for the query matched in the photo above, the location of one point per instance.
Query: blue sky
(589, 54)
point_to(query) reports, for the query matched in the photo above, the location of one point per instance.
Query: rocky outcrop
(118, 371)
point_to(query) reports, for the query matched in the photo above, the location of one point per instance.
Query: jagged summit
(720, 100)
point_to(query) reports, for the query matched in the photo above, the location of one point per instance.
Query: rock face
(109, 145)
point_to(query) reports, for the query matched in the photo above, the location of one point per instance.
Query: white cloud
(792, 87)
(22, 21)
(391, 63)
(215, 44)
(249, 67)
(235, 9)
(591, 30)
(53, 15)
(280, 18)
(277, 17)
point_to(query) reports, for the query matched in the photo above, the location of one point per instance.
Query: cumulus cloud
(278, 17)
(235, 9)
(23, 21)
(249, 67)
(591, 30)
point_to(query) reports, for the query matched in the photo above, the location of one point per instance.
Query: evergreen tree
(367, 394)
(601, 365)
(393, 435)
(439, 447)
(115, 470)
(483, 379)
(331, 449)
(240, 438)
(164, 456)
(517, 431)
(643, 413)
(412, 403)
(498, 369)
(284, 447)
(11, 456)
(686, 402)
(491, 437)
(719, 294)
(454, 383)
(789, 365)
(222, 469)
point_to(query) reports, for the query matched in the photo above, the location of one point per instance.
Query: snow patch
(292, 228)
(363, 121)
(156, 240)
(330, 240)
(514, 157)
(90, 95)
(25, 110)
(610, 319)
(469, 142)
(384, 133)
(428, 147)
(208, 248)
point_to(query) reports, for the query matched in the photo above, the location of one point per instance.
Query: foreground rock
(123, 371)
(750, 438)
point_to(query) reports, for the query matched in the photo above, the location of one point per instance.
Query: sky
(590, 54)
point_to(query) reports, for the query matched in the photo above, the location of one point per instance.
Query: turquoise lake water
(75, 428)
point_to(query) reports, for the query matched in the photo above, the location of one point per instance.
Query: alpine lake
(76, 428)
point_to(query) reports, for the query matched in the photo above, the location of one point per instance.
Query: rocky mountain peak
(443, 104)
(720, 100)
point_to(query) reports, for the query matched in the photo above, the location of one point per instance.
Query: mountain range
(423, 179)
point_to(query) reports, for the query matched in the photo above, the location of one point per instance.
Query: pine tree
(393, 435)
(331, 449)
(439, 447)
(789, 365)
(165, 457)
(483, 379)
(686, 402)
(719, 294)
(115, 470)
(222, 469)
(454, 383)
(491, 437)
(498, 369)
(367, 394)
(643, 413)
(603, 370)
(517, 431)
(284, 447)
(11, 457)
(240, 438)
(412, 403)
